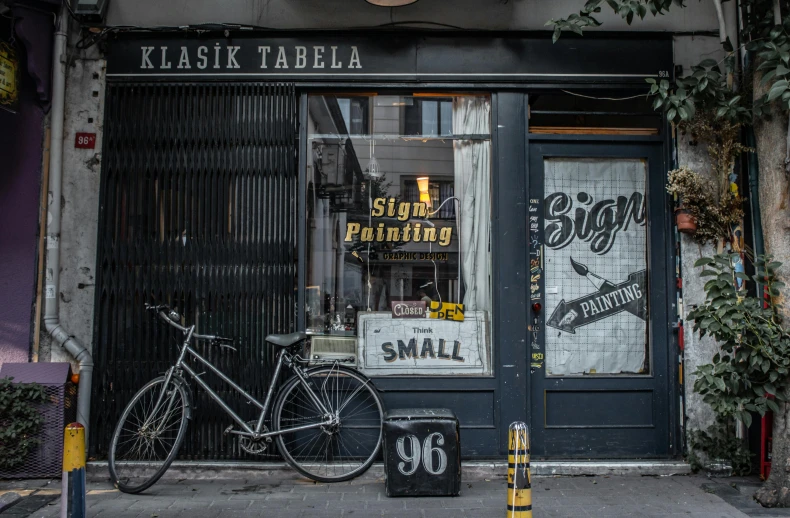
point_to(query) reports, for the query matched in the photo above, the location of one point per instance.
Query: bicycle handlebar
(172, 317)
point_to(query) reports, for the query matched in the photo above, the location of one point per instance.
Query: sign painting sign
(595, 246)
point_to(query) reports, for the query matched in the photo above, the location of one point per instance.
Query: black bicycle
(327, 419)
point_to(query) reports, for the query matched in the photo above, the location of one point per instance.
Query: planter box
(46, 459)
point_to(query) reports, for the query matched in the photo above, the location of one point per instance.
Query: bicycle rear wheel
(147, 439)
(331, 452)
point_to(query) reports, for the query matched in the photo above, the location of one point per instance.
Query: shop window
(342, 115)
(428, 117)
(355, 114)
(439, 191)
(393, 218)
(597, 113)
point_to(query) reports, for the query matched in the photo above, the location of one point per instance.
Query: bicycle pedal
(227, 430)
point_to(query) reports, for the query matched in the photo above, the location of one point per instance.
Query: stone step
(472, 470)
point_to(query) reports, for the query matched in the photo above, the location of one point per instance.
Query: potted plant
(689, 189)
(685, 221)
(699, 213)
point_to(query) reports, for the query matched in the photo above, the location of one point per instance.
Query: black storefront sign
(392, 56)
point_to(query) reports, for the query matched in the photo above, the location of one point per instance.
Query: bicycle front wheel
(343, 442)
(148, 435)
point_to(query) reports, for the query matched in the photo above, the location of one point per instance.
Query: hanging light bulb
(374, 170)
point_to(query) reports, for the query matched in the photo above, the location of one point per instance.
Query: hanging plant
(723, 140)
(700, 213)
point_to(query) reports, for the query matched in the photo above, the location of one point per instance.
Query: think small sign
(9, 78)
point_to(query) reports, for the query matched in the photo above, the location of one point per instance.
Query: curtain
(472, 115)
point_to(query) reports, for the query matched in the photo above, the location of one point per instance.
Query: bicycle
(327, 419)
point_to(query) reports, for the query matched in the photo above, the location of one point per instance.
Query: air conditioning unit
(333, 348)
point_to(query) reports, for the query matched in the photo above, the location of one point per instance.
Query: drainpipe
(51, 317)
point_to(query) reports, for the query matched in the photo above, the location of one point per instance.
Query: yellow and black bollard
(519, 482)
(72, 492)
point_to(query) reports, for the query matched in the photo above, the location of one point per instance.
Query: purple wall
(21, 137)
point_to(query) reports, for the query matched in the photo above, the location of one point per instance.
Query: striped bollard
(519, 487)
(72, 492)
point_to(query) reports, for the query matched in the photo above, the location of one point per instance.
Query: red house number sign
(85, 140)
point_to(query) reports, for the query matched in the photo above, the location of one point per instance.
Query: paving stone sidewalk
(285, 495)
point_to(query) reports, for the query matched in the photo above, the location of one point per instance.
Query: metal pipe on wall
(51, 316)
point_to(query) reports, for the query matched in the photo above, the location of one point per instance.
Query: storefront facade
(507, 187)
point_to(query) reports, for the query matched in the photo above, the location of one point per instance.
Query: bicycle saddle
(286, 340)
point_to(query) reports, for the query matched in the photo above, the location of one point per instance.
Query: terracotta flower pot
(685, 221)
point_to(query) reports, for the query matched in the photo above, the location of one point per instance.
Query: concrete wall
(324, 14)
(690, 50)
(698, 350)
(80, 205)
(20, 172)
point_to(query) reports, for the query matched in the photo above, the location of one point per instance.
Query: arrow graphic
(609, 300)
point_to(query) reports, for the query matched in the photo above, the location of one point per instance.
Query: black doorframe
(661, 249)
(510, 258)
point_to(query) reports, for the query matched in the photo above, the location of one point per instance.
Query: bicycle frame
(283, 357)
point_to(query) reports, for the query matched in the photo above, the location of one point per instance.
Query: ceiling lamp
(374, 170)
(391, 3)
(422, 186)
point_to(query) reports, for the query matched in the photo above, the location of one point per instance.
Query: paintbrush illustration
(596, 281)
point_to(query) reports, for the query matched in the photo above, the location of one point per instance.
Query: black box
(422, 452)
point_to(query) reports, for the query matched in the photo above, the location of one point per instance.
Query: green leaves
(707, 87)
(756, 347)
(20, 420)
(627, 9)
(777, 89)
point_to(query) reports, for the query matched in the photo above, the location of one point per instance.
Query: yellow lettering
(393, 234)
(367, 234)
(352, 229)
(378, 207)
(380, 232)
(407, 232)
(445, 235)
(429, 234)
(420, 210)
(403, 211)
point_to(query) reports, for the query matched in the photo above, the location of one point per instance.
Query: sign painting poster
(423, 346)
(595, 237)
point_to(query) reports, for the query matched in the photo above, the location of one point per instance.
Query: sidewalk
(285, 495)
